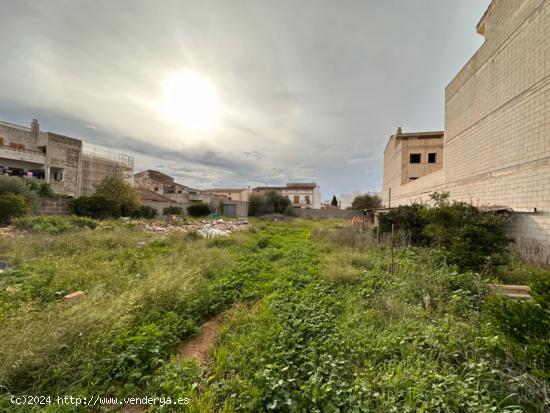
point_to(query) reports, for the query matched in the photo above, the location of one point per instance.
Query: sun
(190, 100)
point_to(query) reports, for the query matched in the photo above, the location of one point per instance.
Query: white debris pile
(206, 229)
(11, 231)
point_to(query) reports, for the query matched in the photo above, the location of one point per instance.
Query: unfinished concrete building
(497, 125)
(98, 164)
(410, 156)
(163, 184)
(70, 168)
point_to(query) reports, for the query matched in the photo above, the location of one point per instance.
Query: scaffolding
(98, 164)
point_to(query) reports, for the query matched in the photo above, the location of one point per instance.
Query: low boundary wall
(324, 213)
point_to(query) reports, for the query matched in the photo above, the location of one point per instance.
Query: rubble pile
(206, 229)
(10, 231)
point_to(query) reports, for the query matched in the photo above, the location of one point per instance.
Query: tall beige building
(496, 149)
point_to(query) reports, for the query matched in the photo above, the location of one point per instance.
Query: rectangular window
(296, 199)
(413, 178)
(415, 158)
(432, 158)
(307, 199)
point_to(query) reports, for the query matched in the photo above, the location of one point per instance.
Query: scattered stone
(213, 232)
(11, 231)
(73, 297)
(516, 292)
(4, 266)
(206, 229)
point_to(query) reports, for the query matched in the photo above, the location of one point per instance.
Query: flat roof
(225, 190)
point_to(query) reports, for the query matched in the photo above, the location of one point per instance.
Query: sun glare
(190, 100)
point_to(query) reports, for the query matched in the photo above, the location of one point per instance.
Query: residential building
(301, 195)
(163, 184)
(70, 167)
(496, 149)
(409, 156)
(160, 190)
(235, 194)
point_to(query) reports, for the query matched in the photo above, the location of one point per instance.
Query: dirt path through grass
(330, 330)
(334, 332)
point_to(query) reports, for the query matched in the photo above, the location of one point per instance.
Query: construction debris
(516, 292)
(206, 229)
(4, 266)
(72, 297)
(10, 231)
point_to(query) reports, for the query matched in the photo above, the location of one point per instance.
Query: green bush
(269, 203)
(472, 239)
(407, 219)
(121, 194)
(12, 206)
(94, 206)
(526, 325)
(366, 201)
(145, 211)
(42, 189)
(53, 224)
(15, 185)
(199, 209)
(172, 210)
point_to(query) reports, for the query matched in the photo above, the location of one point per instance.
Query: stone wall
(497, 118)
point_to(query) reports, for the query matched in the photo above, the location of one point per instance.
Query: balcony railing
(27, 155)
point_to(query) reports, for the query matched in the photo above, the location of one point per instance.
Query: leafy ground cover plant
(306, 340)
(54, 224)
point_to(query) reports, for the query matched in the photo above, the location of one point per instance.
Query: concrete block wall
(324, 213)
(52, 206)
(497, 118)
(497, 124)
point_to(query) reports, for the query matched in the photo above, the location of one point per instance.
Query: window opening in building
(415, 158)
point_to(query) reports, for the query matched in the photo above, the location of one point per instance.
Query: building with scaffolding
(69, 166)
(98, 164)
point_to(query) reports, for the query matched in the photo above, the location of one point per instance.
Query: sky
(288, 91)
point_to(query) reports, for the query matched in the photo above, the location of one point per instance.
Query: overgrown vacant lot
(322, 325)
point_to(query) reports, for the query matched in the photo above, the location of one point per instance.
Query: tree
(366, 201)
(334, 201)
(124, 197)
(269, 203)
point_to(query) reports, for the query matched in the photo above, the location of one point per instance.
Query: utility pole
(391, 250)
